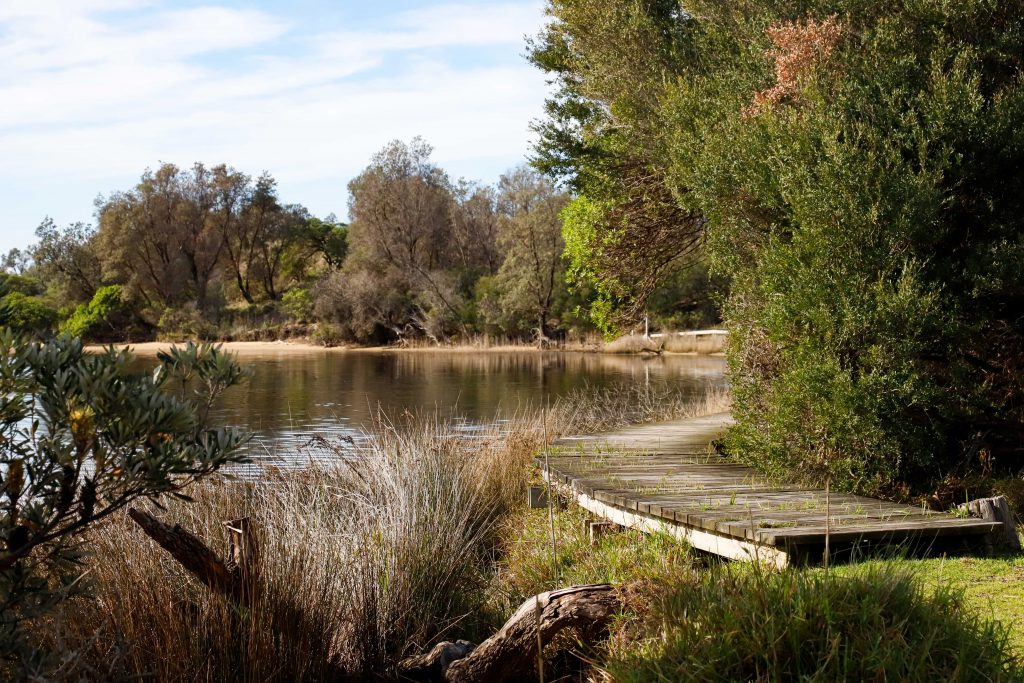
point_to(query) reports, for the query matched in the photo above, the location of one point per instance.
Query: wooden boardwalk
(667, 478)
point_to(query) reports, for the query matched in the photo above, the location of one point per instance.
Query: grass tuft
(873, 623)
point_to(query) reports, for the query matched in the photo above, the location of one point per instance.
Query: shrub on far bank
(27, 285)
(26, 314)
(97, 318)
(877, 624)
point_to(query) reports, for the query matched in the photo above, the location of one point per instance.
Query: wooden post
(598, 529)
(537, 497)
(997, 510)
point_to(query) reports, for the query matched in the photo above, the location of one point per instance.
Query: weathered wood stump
(511, 653)
(997, 510)
(232, 579)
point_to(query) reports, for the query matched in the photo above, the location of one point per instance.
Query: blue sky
(95, 91)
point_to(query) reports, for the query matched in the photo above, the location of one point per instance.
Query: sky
(93, 92)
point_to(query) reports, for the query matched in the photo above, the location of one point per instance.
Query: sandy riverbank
(266, 348)
(711, 344)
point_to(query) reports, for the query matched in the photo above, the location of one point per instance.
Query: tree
(178, 231)
(326, 238)
(15, 262)
(474, 219)
(605, 136)
(530, 236)
(401, 231)
(68, 258)
(857, 165)
(141, 239)
(81, 437)
(259, 237)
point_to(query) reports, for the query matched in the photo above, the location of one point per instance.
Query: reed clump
(361, 563)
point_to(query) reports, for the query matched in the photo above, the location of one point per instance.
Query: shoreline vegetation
(696, 342)
(344, 569)
(352, 580)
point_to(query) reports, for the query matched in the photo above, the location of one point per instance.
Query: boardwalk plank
(668, 474)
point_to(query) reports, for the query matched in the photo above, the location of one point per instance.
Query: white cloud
(104, 88)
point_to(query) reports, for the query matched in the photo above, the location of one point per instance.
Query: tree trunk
(511, 654)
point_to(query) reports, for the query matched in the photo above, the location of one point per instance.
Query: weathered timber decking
(667, 477)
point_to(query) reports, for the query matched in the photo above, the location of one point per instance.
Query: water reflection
(292, 396)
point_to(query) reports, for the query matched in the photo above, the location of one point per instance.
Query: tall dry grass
(362, 562)
(696, 342)
(701, 342)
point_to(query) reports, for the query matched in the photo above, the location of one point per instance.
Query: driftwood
(511, 653)
(233, 579)
(432, 665)
(997, 510)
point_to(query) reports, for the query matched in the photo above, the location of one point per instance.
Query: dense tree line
(214, 253)
(854, 169)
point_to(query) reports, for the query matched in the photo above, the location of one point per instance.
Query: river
(290, 397)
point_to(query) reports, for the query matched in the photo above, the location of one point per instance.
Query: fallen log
(511, 653)
(230, 580)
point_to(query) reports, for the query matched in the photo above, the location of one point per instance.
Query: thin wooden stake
(551, 498)
(828, 521)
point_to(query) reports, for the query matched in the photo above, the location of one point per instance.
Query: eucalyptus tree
(401, 232)
(68, 258)
(530, 235)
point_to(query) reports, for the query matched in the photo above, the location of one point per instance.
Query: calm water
(292, 396)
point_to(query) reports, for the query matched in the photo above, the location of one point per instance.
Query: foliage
(873, 624)
(328, 238)
(97, 316)
(22, 284)
(856, 167)
(68, 259)
(81, 437)
(603, 134)
(298, 304)
(400, 207)
(532, 275)
(15, 262)
(26, 314)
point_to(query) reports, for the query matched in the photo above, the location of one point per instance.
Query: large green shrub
(876, 625)
(297, 304)
(26, 313)
(81, 437)
(868, 206)
(96, 317)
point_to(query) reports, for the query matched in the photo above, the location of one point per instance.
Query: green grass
(622, 557)
(993, 587)
(691, 619)
(873, 622)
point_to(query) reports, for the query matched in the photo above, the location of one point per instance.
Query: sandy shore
(261, 348)
(284, 348)
(624, 346)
